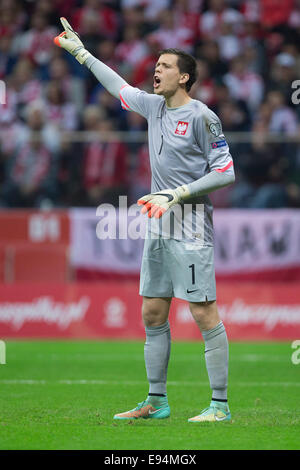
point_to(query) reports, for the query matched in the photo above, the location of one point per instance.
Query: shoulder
(133, 94)
(207, 121)
(128, 89)
(204, 114)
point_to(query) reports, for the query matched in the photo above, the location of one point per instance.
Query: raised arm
(71, 42)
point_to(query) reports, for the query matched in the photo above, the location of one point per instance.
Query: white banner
(245, 241)
(254, 240)
(90, 252)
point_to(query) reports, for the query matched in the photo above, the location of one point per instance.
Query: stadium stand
(248, 58)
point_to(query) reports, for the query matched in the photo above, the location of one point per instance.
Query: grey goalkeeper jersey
(185, 144)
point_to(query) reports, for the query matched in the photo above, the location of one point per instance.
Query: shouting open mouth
(156, 81)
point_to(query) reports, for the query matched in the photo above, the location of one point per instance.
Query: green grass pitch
(63, 395)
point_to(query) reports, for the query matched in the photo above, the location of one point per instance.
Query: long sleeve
(219, 159)
(106, 76)
(214, 180)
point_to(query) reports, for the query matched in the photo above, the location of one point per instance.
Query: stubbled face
(167, 77)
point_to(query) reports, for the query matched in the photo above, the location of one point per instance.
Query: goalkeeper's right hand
(70, 41)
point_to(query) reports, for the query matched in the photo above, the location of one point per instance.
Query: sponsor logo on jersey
(181, 128)
(221, 143)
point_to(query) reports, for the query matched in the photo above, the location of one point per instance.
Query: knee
(154, 313)
(199, 311)
(152, 316)
(205, 314)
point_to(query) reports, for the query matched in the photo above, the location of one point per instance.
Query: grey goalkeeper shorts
(177, 268)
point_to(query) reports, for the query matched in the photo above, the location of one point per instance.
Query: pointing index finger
(66, 25)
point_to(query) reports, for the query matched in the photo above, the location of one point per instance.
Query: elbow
(232, 178)
(227, 178)
(230, 174)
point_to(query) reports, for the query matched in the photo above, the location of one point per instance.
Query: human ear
(184, 78)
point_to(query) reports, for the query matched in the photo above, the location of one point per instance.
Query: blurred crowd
(248, 63)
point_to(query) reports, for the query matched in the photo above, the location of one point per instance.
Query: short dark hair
(186, 64)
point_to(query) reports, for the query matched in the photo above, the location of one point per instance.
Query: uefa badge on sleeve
(215, 128)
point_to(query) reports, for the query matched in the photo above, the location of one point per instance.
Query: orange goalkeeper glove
(156, 204)
(70, 41)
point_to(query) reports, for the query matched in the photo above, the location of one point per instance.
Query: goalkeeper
(189, 159)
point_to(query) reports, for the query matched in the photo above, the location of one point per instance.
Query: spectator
(7, 56)
(152, 9)
(104, 163)
(133, 15)
(132, 49)
(31, 168)
(283, 119)
(275, 12)
(283, 73)
(244, 84)
(64, 7)
(187, 14)
(96, 17)
(73, 88)
(24, 83)
(170, 34)
(141, 175)
(230, 44)
(37, 43)
(59, 112)
(204, 88)
(250, 10)
(293, 50)
(210, 52)
(233, 116)
(143, 72)
(210, 25)
(255, 58)
(48, 10)
(261, 127)
(107, 103)
(106, 52)
(12, 17)
(294, 18)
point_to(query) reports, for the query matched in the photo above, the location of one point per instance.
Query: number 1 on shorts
(192, 266)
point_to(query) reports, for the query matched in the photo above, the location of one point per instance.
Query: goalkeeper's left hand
(156, 204)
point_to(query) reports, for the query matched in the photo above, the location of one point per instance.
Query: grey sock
(157, 353)
(216, 358)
